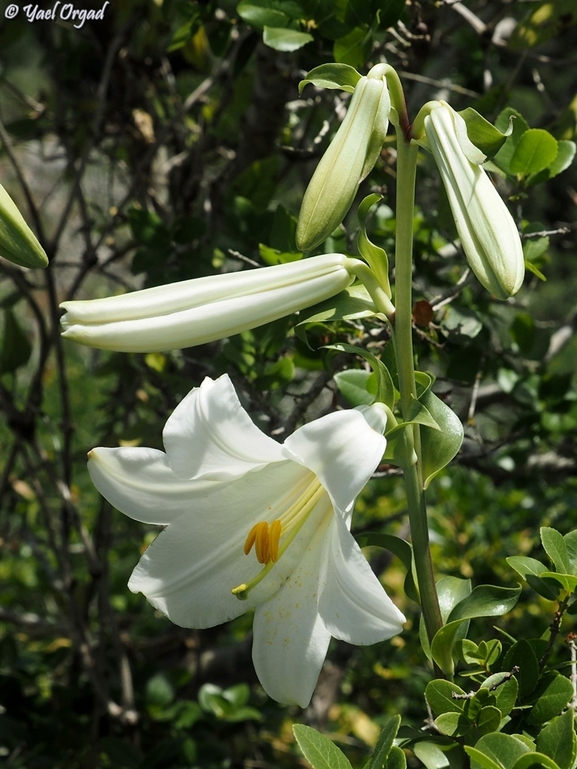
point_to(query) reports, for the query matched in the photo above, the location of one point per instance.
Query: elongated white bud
(198, 311)
(348, 160)
(488, 234)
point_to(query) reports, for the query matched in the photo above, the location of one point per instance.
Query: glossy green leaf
(484, 134)
(333, 75)
(451, 591)
(259, 16)
(431, 755)
(556, 548)
(486, 601)
(535, 150)
(354, 47)
(503, 158)
(557, 739)
(567, 581)
(535, 761)
(496, 751)
(550, 696)
(318, 750)
(488, 719)
(357, 386)
(439, 694)
(396, 759)
(505, 688)
(453, 724)
(385, 390)
(286, 40)
(571, 546)
(524, 565)
(439, 446)
(384, 744)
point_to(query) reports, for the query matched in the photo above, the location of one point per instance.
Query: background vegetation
(168, 140)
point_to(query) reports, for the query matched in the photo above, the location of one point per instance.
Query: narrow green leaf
(536, 150)
(556, 549)
(333, 75)
(282, 39)
(318, 750)
(384, 743)
(557, 739)
(374, 255)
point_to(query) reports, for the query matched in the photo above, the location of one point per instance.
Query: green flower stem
(377, 293)
(403, 340)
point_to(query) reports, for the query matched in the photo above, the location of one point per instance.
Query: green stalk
(403, 340)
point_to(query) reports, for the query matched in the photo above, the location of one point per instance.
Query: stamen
(265, 537)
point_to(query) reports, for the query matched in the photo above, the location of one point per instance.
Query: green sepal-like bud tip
(18, 243)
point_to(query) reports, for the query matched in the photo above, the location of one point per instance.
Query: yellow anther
(265, 539)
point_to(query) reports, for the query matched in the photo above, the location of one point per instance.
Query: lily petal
(342, 449)
(210, 436)
(290, 639)
(353, 604)
(140, 483)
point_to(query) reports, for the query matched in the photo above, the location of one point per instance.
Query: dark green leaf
(396, 759)
(439, 695)
(355, 386)
(318, 750)
(354, 48)
(550, 696)
(453, 724)
(505, 692)
(399, 547)
(384, 744)
(501, 750)
(486, 601)
(536, 150)
(484, 134)
(488, 719)
(536, 760)
(385, 390)
(557, 739)
(521, 655)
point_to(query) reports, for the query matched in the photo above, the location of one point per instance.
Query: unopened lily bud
(488, 234)
(193, 312)
(348, 160)
(17, 241)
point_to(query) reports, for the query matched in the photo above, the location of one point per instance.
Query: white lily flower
(349, 158)
(253, 524)
(488, 234)
(193, 312)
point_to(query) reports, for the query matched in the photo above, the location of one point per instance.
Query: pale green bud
(348, 160)
(17, 241)
(488, 234)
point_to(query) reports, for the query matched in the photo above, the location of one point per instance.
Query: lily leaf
(374, 255)
(385, 392)
(439, 446)
(333, 75)
(399, 547)
(483, 134)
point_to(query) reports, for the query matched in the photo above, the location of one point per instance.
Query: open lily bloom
(350, 157)
(488, 234)
(253, 524)
(201, 310)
